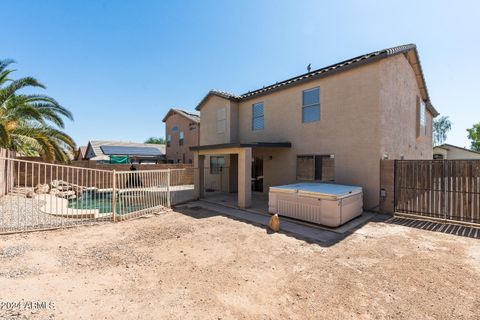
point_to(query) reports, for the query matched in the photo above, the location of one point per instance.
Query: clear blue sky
(119, 65)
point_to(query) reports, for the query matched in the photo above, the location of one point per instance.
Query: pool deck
(59, 207)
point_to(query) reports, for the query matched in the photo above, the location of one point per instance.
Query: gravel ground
(201, 265)
(20, 213)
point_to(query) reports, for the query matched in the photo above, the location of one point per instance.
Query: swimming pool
(125, 202)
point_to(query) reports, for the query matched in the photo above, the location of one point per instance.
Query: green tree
(474, 135)
(155, 140)
(440, 128)
(32, 123)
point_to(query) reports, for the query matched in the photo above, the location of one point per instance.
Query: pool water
(103, 202)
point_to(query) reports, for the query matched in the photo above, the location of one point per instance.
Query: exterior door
(257, 174)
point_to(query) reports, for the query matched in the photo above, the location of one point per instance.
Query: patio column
(198, 175)
(245, 177)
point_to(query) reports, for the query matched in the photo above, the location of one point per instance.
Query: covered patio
(239, 171)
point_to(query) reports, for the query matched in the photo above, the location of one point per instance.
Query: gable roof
(81, 153)
(190, 116)
(95, 152)
(218, 93)
(410, 50)
(447, 146)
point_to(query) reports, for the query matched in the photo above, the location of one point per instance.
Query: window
(221, 120)
(216, 164)
(257, 116)
(181, 138)
(175, 129)
(421, 118)
(316, 167)
(311, 105)
(169, 140)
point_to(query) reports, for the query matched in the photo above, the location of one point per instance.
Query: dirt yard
(201, 265)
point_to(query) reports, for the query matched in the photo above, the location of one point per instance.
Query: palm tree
(31, 123)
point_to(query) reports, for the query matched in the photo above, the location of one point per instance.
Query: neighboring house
(81, 153)
(124, 152)
(331, 124)
(451, 152)
(182, 131)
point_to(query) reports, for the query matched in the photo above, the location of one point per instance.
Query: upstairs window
(421, 118)
(311, 105)
(169, 140)
(315, 167)
(216, 164)
(174, 129)
(257, 116)
(181, 138)
(221, 120)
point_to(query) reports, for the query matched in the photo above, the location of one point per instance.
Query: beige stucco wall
(365, 112)
(398, 116)
(208, 133)
(176, 152)
(347, 128)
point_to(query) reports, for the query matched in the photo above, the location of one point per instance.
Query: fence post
(446, 179)
(168, 188)
(114, 195)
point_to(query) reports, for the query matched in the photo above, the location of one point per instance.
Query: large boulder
(59, 183)
(41, 188)
(67, 194)
(54, 191)
(64, 187)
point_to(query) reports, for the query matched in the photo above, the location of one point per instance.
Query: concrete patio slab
(299, 230)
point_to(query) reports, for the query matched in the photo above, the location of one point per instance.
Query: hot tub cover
(329, 189)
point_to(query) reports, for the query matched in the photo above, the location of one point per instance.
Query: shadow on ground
(457, 230)
(308, 233)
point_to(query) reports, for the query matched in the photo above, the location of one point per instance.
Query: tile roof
(190, 116)
(340, 66)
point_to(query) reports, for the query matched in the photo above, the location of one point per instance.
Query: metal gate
(440, 189)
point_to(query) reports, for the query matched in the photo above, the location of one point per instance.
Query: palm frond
(15, 85)
(43, 101)
(5, 63)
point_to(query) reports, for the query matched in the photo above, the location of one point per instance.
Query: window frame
(305, 106)
(423, 118)
(314, 163)
(258, 117)
(181, 138)
(169, 140)
(214, 167)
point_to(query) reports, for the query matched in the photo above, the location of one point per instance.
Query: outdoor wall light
(270, 157)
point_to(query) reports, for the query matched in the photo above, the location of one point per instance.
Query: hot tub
(323, 203)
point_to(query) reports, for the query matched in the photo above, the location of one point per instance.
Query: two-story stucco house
(332, 124)
(182, 131)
